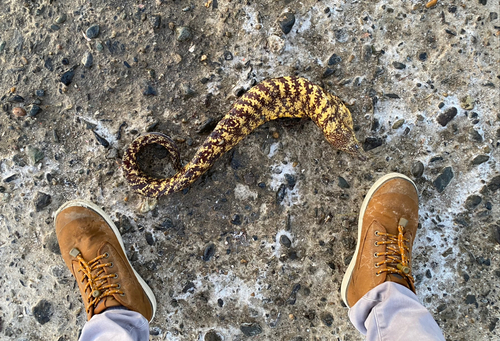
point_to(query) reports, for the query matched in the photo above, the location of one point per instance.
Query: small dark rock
(483, 2)
(189, 287)
(285, 241)
(398, 65)
(149, 91)
(443, 179)
(472, 201)
(220, 302)
(280, 194)
(101, 140)
(67, 77)
(40, 93)
(334, 59)
(436, 158)
(493, 324)
(212, 335)
(43, 311)
(149, 238)
(126, 64)
(343, 183)
(16, 99)
(475, 136)
(41, 201)
(372, 143)
(155, 20)
(286, 22)
(228, 55)
(422, 56)
(496, 232)
(10, 178)
(493, 16)
(52, 244)
(261, 185)
(236, 220)
(328, 72)
(65, 61)
(367, 52)
(183, 33)
(392, 96)
(417, 169)
(92, 31)
(290, 181)
(327, 319)
(444, 118)
(48, 64)
(34, 110)
(480, 159)
(494, 183)
(209, 252)
(251, 329)
(428, 273)
(55, 27)
(470, 299)
(236, 160)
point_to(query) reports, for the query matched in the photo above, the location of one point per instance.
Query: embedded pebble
(67, 77)
(398, 123)
(372, 143)
(327, 319)
(480, 159)
(443, 179)
(43, 311)
(212, 335)
(472, 201)
(61, 18)
(467, 103)
(334, 59)
(183, 33)
(92, 32)
(101, 140)
(417, 169)
(149, 91)
(398, 65)
(40, 92)
(41, 201)
(494, 183)
(209, 252)
(251, 329)
(35, 155)
(444, 118)
(343, 183)
(149, 238)
(285, 241)
(34, 110)
(87, 59)
(155, 20)
(496, 232)
(19, 112)
(286, 22)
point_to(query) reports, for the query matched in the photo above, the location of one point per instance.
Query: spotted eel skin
(268, 100)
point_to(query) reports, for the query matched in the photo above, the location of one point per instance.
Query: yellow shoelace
(396, 256)
(93, 273)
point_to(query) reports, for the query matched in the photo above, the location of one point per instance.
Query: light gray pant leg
(116, 324)
(392, 312)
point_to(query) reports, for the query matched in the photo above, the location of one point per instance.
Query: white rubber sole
(375, 186)
(95, 208)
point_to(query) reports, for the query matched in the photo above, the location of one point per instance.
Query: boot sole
(373, 189)
(95, 208)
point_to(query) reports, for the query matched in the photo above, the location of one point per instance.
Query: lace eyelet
(377, 266)
(119, 286)
(116, 275)
(122, 294)
(376, 243)
(377, 274)
(106, 255)
(375, 255)
(376, 233)
(111, 265)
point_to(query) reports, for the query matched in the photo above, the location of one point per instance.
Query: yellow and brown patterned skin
(268, 100)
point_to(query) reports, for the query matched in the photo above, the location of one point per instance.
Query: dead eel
(271, 99)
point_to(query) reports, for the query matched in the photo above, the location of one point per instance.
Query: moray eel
(266, 101)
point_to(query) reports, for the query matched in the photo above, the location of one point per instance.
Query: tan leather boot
(93, 250)
(387, 226)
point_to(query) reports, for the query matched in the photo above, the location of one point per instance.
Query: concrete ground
(279, 212)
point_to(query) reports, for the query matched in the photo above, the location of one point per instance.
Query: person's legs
(116, 324)
(378, 286)
(117, 300)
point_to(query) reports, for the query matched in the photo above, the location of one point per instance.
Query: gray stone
(212, 335)
(87, 59)
(494, 183)
(285, 241)
(34, 110)
(286, 22)
(43, 311)
(443, 179)
(251, 329)
(417, 169)
(480, 159)
(444, 118)
(35, 155)
(41, 201)
(343, 183)
(183, 33)
(398, 123)
(93, 31)
(61, 18)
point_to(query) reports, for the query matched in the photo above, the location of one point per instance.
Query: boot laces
(397, 259)
(96, 278)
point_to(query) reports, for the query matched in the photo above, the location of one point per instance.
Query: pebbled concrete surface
(280, 224)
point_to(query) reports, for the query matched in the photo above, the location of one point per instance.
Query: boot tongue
(399, 279)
